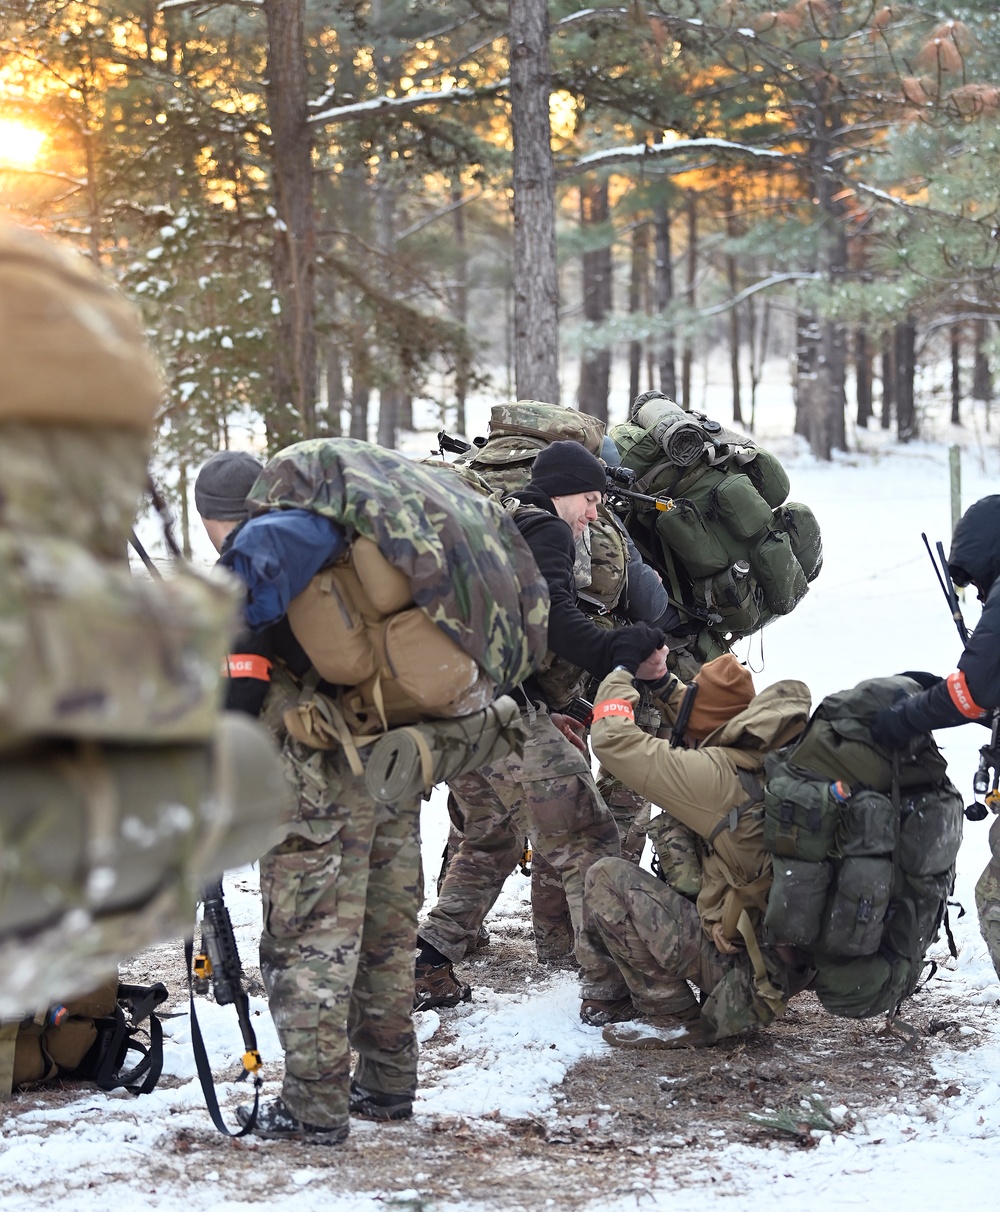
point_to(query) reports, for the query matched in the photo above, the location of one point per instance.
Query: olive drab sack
(733, 551)
(864, 844)
(436, 608)
(120, 787)
(88, 1039)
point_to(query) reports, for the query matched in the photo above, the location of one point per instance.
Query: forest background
(351, 218)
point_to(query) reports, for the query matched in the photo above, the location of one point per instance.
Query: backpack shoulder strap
(753, 785)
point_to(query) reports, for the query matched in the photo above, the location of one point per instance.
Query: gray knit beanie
(221, 488)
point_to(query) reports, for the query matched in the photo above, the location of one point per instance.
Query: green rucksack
(734, 553)
(864, 844)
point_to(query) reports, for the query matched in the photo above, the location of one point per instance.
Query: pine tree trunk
(982, 375)
(293, 412)
(812, 385)
(385, 240)
(863, 378)
(905, 349)
(361, 387)
(664, 286)
(638, 287)
(888, 377)
(692, 270)
(388, 416)
(595, 367)
(334, 389)
(956, 373)
(459, 306)
(536, 283)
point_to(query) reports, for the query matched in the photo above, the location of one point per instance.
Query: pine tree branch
(361, 109)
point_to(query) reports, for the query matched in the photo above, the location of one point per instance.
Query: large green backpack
(864, 844)
(733, 551)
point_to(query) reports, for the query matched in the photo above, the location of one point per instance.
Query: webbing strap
(205, 1069)
(754, 788)
(426, 757)
(768, 993)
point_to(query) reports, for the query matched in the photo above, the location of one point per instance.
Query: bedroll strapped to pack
(864, 844)
(733, 551)
(88, 1039)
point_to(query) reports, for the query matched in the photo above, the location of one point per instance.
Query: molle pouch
(930, 830)
(331, 618)
(800, 817)
(741, 507)
(799, 523)
(768, 477)
(795, 903)
(628, 437)
(915, 914)
(778, 572)
(856, 912)
(863, 987)
(869, 825)
(731, 597)
(699, 546)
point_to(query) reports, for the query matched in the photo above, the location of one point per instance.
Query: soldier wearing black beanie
(563, 469)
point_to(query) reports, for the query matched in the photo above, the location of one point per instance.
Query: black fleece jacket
(974, 557)
(572, 635)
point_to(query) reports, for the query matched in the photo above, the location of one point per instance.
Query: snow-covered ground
(876, 609)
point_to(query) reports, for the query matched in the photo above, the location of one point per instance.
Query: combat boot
(276, 1122)
(436, 986)
(378, 1104)
(597, 1011)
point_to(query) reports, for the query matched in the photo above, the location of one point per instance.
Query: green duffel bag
(800, 815)
(856, 911)
(869, 825)
(863, 987)
(795, 902)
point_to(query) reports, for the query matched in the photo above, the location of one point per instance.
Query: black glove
(921, 677)
(889, 727)
(633, 644)
(249, 673)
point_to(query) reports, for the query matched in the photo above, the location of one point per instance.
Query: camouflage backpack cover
(436, 554)
(733, 551)
(864, 844)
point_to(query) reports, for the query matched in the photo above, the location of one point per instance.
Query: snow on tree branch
(359, 109)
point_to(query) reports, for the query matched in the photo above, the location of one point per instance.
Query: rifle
(218, 964)
(986, 780)
(621, 482)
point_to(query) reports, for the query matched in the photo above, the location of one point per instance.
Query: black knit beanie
(565, 468)
(220, 491)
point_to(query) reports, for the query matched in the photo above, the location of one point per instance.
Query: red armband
(958, 691)
(617, 709)
(247, 665)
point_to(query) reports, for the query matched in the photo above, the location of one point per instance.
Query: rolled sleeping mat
(410, 761)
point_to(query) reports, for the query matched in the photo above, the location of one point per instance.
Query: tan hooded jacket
(700, 787)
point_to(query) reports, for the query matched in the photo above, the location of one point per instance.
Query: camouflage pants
(656, 937)
(340, 899)
(548, 795)
(553, 926)
(988, 898)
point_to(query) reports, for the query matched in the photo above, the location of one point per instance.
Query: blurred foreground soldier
(121, 789)
(662, 939)
(373, 699)
(548, 793)
(970, 693)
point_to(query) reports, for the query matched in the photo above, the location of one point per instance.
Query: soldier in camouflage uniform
(662, 940)
(340, 894)
(122, 789)
(972, 691)
(549, 794)
(615, 587)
